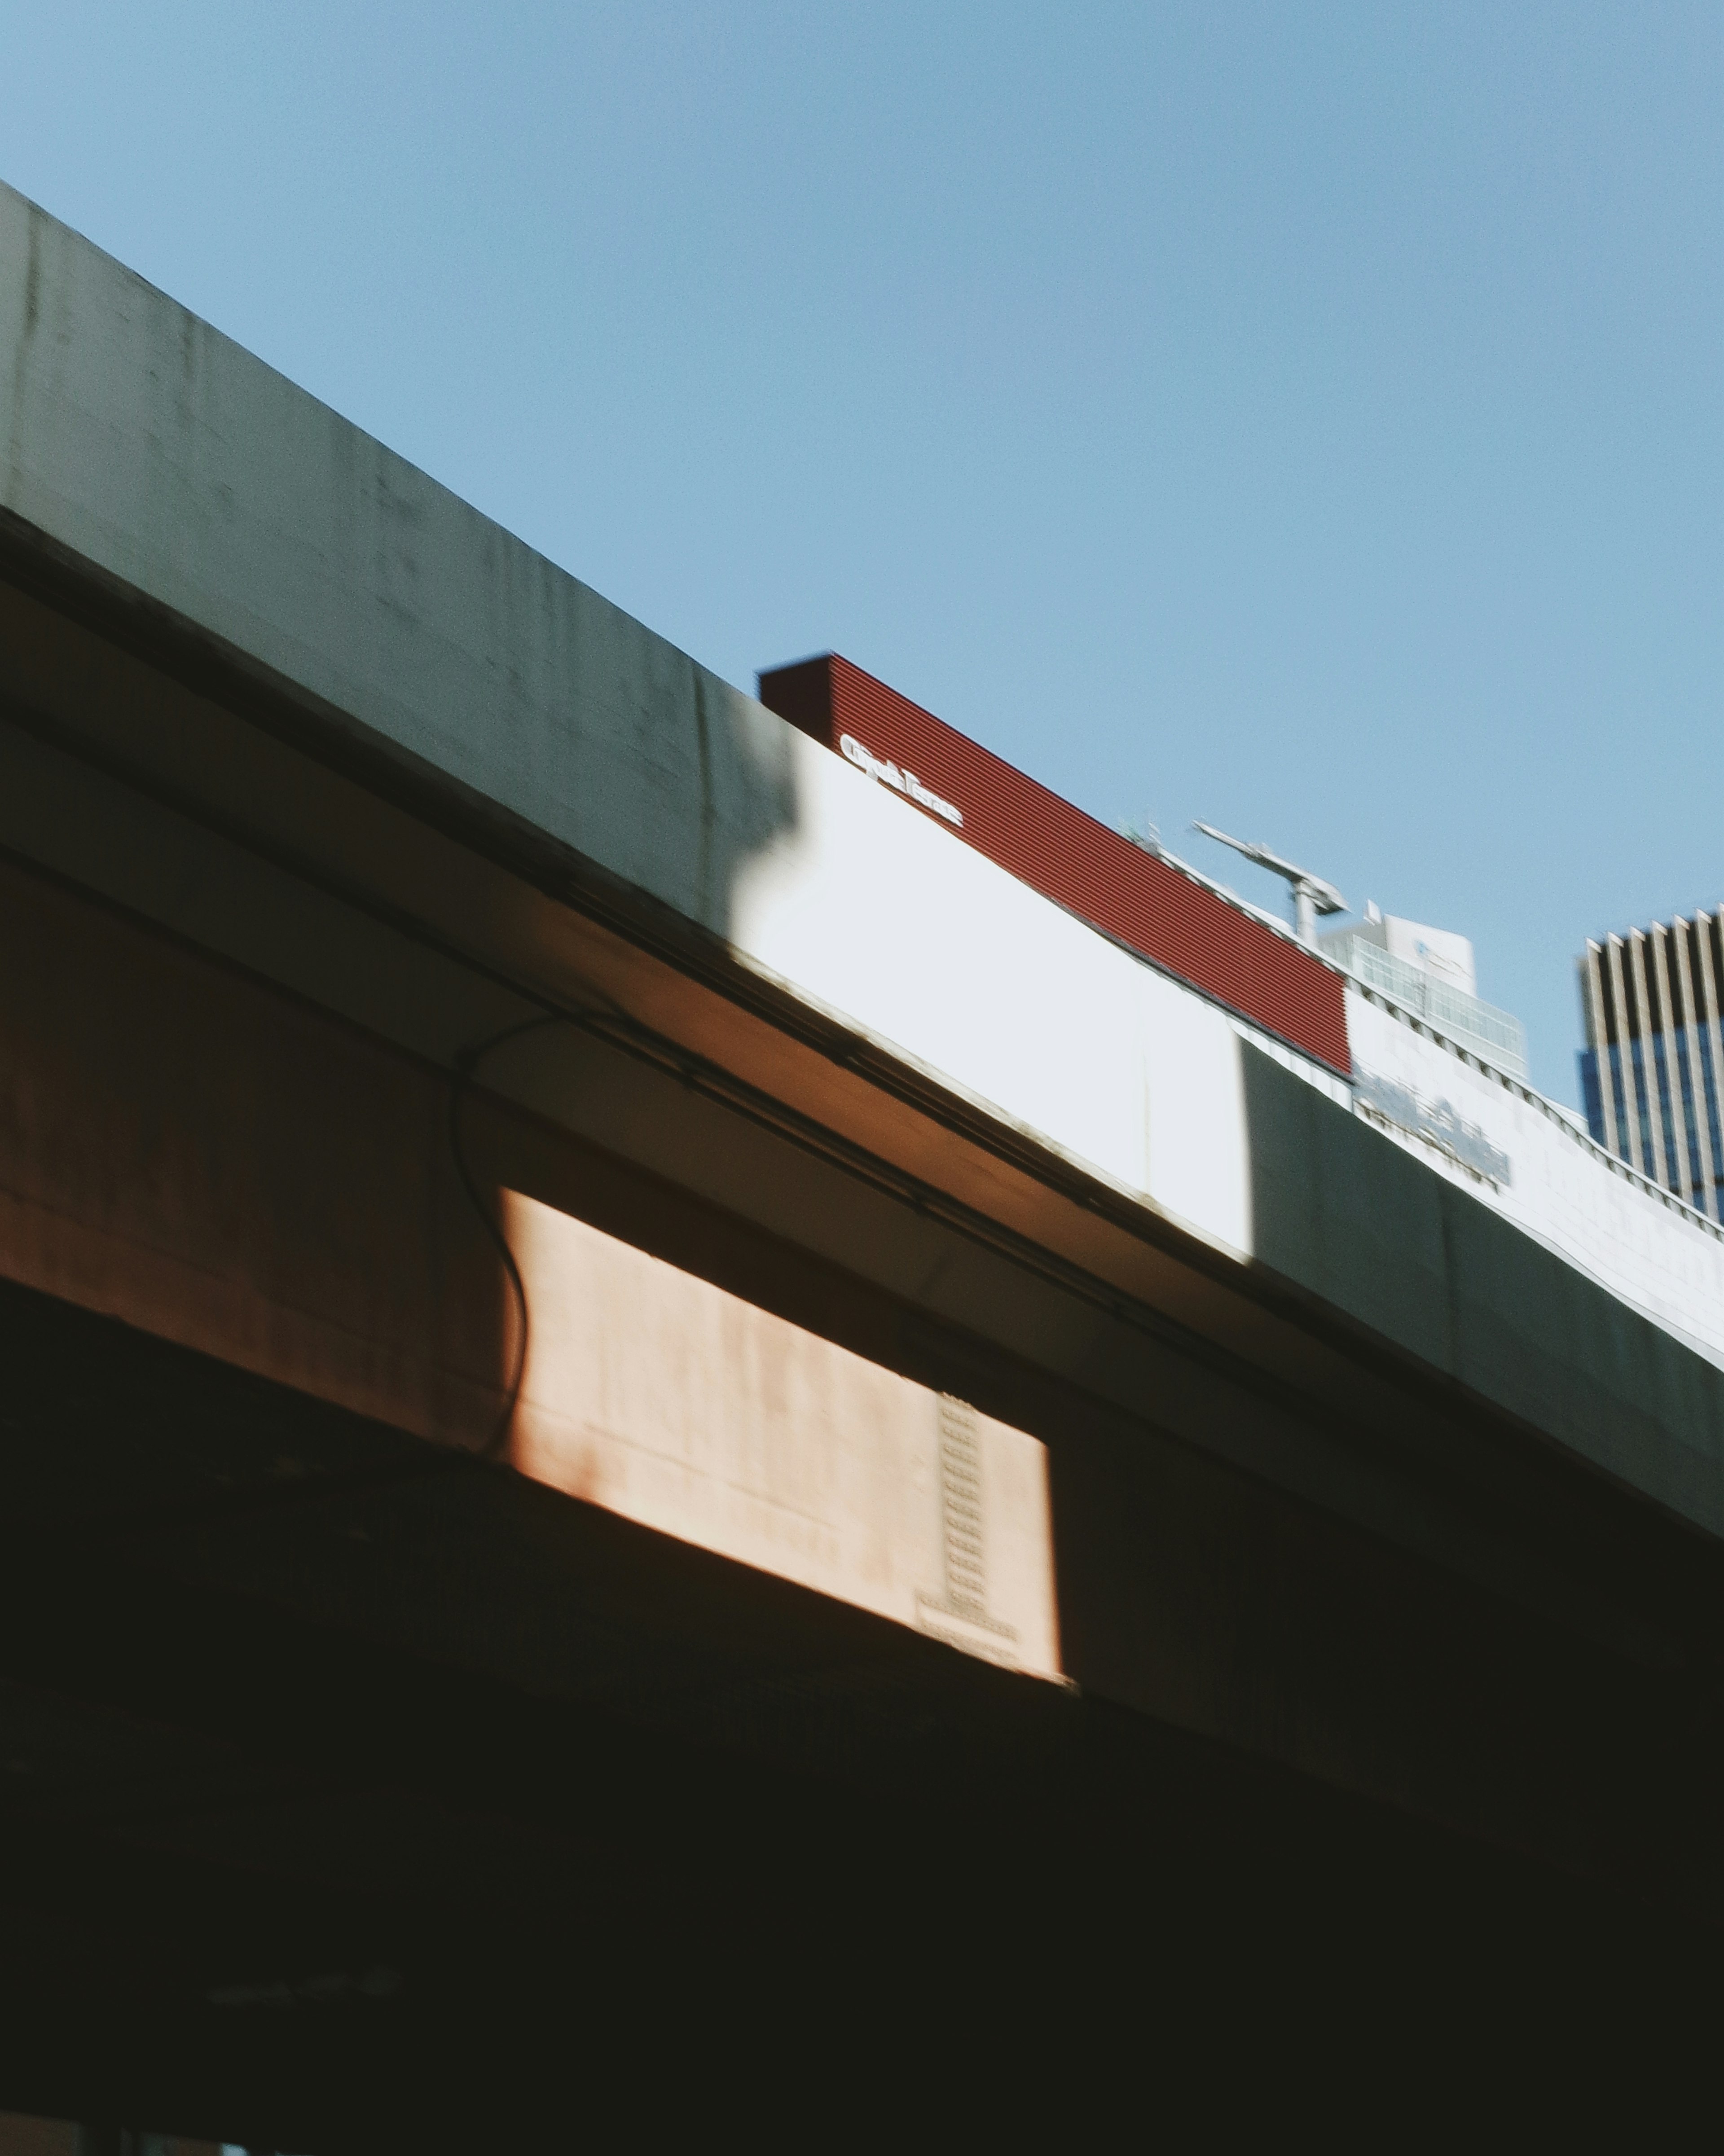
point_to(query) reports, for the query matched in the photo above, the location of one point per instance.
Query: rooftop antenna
(1311, 895)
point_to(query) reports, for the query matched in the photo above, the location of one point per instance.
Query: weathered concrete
(144, 442)
(159, 455)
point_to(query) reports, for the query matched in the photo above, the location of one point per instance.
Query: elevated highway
(643, 1395)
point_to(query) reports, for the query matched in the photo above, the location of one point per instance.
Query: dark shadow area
(418, 1806)
(1540, 1651)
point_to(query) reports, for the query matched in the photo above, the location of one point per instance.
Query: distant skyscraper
(1652, 1072)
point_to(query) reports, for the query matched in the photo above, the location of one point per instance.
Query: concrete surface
(159, 455)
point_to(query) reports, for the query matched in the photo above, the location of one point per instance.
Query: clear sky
(1303, 416)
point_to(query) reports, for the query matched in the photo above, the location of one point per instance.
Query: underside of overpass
(573, 1501)
(401, 1798)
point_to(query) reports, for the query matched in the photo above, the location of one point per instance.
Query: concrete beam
(181, 482)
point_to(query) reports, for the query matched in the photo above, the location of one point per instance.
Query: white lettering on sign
(901, 782)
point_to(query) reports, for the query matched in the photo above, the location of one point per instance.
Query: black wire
(467, 1065)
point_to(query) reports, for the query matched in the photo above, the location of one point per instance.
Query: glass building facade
(1652, 1072)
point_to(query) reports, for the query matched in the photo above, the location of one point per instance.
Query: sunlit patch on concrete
(666, 1400)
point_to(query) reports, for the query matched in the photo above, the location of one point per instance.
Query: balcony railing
(1492, 1034)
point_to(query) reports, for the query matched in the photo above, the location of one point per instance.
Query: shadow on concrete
(425, 1807)
(1524, 1631)
(1357, 1223)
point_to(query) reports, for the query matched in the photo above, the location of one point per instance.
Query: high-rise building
(1652, 1072)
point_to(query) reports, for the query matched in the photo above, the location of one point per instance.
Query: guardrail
(1453, 1012)
(1518, 1085)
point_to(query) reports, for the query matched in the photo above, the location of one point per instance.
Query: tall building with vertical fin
(1652, 1072)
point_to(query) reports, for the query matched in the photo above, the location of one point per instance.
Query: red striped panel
(1068, 856)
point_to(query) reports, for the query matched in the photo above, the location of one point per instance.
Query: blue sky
(1307, 418)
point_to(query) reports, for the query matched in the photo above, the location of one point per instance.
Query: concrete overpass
(647, 1404)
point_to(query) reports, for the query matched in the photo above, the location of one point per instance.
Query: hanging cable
(466, 1069)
